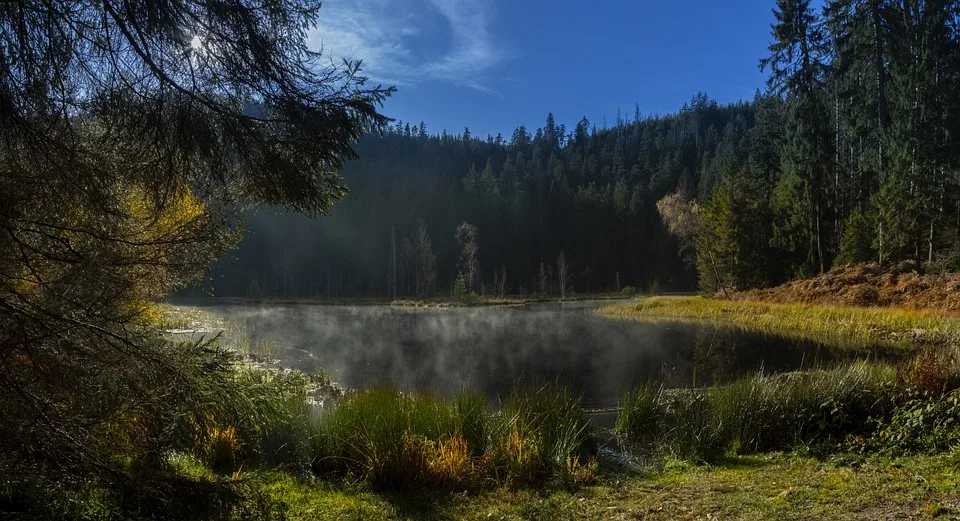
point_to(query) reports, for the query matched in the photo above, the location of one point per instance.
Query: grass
(396, 440)
(542, 435)
(777, 487)
(765, 413)
(640, 412)
(887, 439)
(845, 327)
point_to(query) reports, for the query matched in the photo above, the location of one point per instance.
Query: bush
(933, 372)
(920, 425)
(628, 290)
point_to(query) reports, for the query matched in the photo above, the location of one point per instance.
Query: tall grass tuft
(542, 435)
(766, 412)
(640, 412)
(393, 439)
(472, 418)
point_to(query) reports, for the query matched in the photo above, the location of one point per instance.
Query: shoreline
(846, 327)
(438, 302)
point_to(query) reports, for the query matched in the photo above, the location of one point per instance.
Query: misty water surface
(490, 349)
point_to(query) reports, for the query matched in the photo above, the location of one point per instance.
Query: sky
(492, 65)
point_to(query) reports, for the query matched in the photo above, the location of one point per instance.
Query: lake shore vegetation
(845, 327)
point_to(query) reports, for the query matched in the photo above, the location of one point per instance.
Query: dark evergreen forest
(849, 155)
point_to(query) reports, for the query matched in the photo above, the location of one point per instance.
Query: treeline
(585, 192)
(854, 156)
(851, 155)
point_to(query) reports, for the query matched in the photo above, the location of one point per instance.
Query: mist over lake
(490, 349)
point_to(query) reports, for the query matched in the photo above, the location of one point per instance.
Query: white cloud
(383, 33)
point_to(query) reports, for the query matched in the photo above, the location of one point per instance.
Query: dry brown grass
(869, 285)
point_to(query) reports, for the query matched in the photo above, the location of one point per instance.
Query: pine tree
(797, 69)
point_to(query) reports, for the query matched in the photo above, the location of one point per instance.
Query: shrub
(933, 372)
(628, 290)
(921, 424)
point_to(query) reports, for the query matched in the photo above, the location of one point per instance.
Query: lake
(491, 349)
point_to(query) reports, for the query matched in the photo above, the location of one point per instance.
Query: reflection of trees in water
(715, 357)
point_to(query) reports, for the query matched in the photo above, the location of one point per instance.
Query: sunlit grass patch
(845, 327)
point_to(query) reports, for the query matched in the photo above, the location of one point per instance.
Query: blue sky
(492, 65)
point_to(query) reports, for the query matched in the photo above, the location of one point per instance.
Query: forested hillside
(850, 155)
(588, 193)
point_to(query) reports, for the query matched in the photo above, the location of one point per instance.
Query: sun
(196, 42)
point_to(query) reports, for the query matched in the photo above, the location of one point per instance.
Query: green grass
(641, 412)
(396, 440)
(777, 487)
(844, 327)
(384, 436)
(764, 412)
(541, 435)
(383, 454)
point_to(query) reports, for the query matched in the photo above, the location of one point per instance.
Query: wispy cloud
(390, 36)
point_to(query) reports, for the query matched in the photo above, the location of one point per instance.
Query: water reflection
(490, 349)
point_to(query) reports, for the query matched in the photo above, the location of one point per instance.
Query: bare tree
(500, 282)
(393, 264)
(425, 262)
(563, 274)
(469, 264)
(543, 279)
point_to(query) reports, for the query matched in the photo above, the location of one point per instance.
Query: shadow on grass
(420, 502)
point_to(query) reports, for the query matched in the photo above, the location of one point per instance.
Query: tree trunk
(716, 273)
